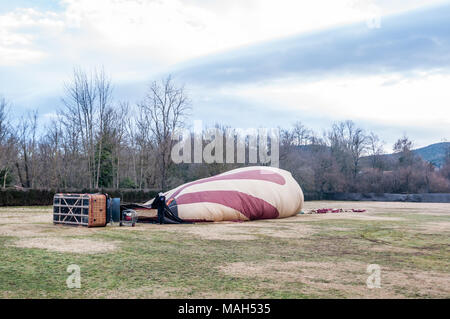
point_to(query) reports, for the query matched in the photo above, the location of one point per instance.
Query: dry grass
(161, 292)
(393, 249)
(309, 255)
(234, 231)
(67, 245)
(340, 216)
(349, 278)
(375, 207)
(245, 230)
(33, 228)
(434, 227)
(19, 218)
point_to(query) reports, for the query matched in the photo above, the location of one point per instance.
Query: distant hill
(434, 153)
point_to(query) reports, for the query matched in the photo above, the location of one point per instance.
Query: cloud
(255, 62)
(391, 80)
(407, 43)
(21, 31)
(170, 31)
(418, 101)
(415, 106)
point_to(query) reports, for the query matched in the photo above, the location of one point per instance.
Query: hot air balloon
(249, 193)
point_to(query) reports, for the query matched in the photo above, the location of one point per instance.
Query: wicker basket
(87, 210)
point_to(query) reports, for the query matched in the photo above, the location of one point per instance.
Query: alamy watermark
(374, 279)
(74, 279)
(373, 19)
(371, 12)
(227, 145)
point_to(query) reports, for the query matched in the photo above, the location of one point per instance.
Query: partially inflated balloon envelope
(250, 193)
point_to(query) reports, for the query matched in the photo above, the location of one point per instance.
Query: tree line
(95, 141)
(347, 159)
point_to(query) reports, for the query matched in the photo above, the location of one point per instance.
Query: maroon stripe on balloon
(250, 206)
(251, 175)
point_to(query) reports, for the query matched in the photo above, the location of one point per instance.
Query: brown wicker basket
(87, 210)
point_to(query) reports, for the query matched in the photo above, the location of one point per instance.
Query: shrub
(44, 197)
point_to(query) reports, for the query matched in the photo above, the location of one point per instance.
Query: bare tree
(52, 161)
(79, 102)
(4, 125)
(120, 119)
(166, 106)
(403, 148)
(375, 147)
(348, 144)
(104, 93)
(286, 143)
(146, 147)
(403, 145)
(132, 147)
(96, 142)
(358, 145)
(87, 97)
(26, 138)
(300, 134)
(7, 143)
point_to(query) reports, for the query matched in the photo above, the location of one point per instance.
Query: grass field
(307, 256)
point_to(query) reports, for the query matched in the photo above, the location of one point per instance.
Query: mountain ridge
(433, 153)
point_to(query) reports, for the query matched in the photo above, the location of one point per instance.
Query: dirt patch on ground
(67, 245)
(25, 230)
(154, 292)
(20, 215)
(393, 249)
(446, 214)
(433, 227)
(32, 210)
(221, 233)
(6, 294)
(250, 230)
(356, 216)
(159, 292)
(247, 230)
(347, 279)
(44, 230)
(222, 295)
(381, 206)
(339, 228)
(20, 218)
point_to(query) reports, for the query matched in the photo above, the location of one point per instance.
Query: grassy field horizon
(306, 256)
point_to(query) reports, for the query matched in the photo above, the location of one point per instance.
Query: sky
(245, 63)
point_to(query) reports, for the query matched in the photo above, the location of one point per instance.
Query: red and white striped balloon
(249, 193)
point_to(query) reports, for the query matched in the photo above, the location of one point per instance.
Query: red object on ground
(337, 210)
